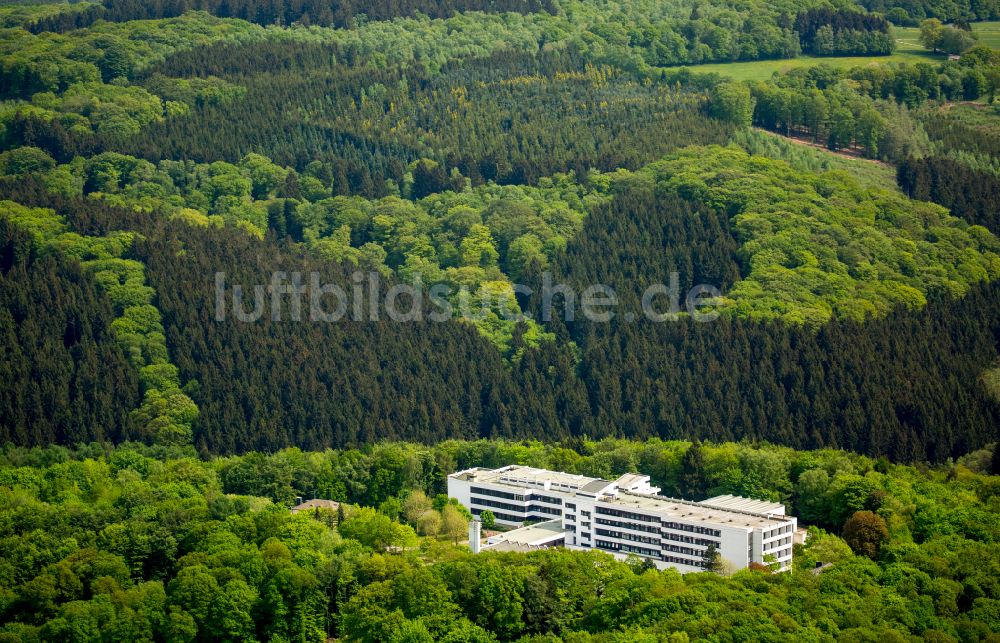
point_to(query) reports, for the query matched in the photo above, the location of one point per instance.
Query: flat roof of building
(595, 486)
(532, 536)
(739, 503)
(522, 475)
(536, 534)
(512, 547)
(726, 511)
(687, 511)
(630, 479)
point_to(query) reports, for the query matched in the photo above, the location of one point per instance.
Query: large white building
(627, 516)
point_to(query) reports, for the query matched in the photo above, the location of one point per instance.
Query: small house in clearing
(315, 504)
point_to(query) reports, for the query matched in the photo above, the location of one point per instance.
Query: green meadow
(909, 50)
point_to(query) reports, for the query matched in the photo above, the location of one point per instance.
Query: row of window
(496, 504)
(631, 549)
(642, 551)
(704, 542)
(677, 549)
(656, 541)
(777, 531)
(684, 561)
(628, 525)
(627, 514)
(681, 526)
(497, 494)
(671, 525)
(626, 536)
(545, 510)
(778, 543)
(498, 515)
(549, 499)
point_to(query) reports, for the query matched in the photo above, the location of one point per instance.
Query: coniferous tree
(693, 472)
(712, 559)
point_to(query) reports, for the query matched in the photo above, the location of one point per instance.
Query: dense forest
(910, 12)
(973, 195)
(886, 113)
(510, 118)
(802, 378)
(133, 543)
(445, 197)
(65, 377)
(965, 133)
(327, 13)
(826, 380)
(827, 32)
(478, 169)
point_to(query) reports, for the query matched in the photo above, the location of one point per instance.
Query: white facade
(628, 517)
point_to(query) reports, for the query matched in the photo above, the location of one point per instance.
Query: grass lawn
(988, 32)
(764, 69)
(908, 49)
